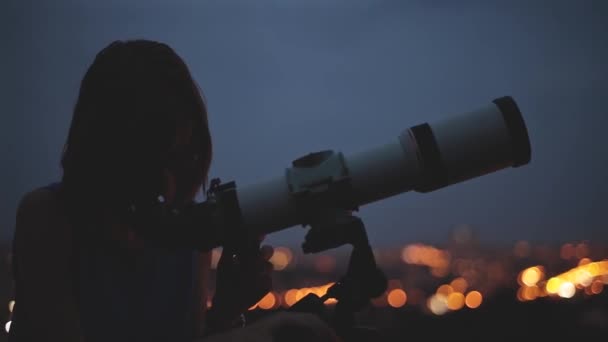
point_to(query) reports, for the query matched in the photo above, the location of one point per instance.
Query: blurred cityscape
(460, 289)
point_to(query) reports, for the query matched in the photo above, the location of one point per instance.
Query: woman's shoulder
(37, 199)
(40, 215)
(42, 270)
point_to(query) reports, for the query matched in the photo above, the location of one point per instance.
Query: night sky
(287, 77)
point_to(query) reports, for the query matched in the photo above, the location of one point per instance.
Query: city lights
(439, 280)
(587, 276)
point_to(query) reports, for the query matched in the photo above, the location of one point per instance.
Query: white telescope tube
(422, 158)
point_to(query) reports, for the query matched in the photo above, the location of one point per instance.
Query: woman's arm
(45, 303)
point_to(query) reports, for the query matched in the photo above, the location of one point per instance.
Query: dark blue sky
(287, 77)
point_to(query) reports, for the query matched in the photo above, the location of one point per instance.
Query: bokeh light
(437, 303)
(459, 285)
(455, 301)
(290, 297)
(7, 326)
(473, 299)
(553, 285)
(397, 298)
(300, 293)
(530, 292)
(445, 290)
(566, 290)
(11, 306)
(281, 258)
(531, 276)
(597, 286)
(268, 301)
(584, 261)
(331, 301)
(583, 277)
(419, 254)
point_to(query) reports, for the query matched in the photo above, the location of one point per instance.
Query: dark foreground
(501, 318)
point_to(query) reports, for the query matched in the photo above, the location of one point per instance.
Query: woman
(82, 271)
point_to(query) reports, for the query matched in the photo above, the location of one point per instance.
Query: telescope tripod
(353, 291)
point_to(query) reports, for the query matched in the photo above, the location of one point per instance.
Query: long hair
(133, 99)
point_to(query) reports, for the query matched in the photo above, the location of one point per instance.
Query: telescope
(423, 158)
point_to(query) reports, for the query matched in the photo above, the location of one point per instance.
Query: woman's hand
(242, 279)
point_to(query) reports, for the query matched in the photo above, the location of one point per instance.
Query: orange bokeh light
(445, 290)
(473, 299)
(455, 301)
(397, 298)
(530, 292)
(584, 261)
(281, 258)
(268, 301)
(531, 276)
(290, 297)
(459, 285)
(596, 287)
(420, 254)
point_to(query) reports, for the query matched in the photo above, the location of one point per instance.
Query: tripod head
(363, 279)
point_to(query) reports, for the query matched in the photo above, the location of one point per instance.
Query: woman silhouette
(82, 273)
